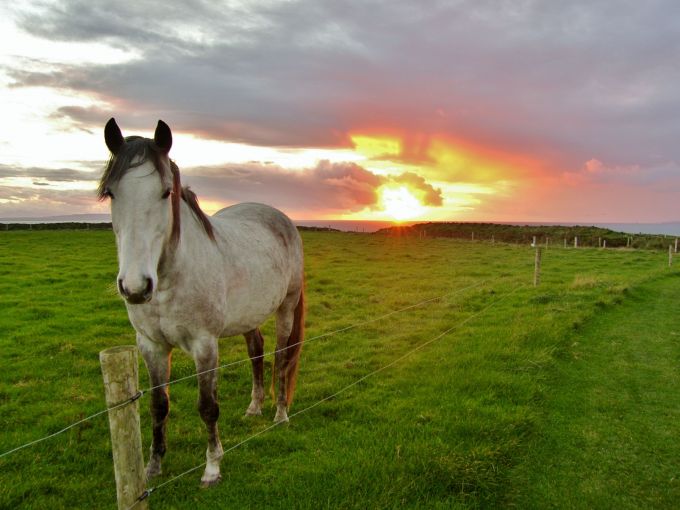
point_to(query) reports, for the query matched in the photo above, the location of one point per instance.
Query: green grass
(609, 435)
(447, 427)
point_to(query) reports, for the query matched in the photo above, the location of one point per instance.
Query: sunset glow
(400, 204)
(351, 120)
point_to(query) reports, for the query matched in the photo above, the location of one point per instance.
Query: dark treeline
(555, 235)
(55, 226)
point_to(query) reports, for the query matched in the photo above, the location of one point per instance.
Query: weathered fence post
(537, 267)
(533, 241)
(575, 241)
(604, 244)
(565, 242)
(676, 245)
(670, 255)
(473, 236)
(119, 370)
(493, 239)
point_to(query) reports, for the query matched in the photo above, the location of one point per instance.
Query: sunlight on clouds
(400, 204)
(379, 147)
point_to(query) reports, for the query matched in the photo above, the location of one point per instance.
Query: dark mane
(146, 149)
(135, 146)
(191, 200)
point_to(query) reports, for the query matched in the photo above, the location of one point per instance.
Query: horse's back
(254, 224)
(259, 216)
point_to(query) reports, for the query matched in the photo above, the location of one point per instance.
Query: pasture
(467, 421)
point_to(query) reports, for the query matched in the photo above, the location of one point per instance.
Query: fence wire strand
(419, 347)
(65, 429)
(238, 362)
(323, 335)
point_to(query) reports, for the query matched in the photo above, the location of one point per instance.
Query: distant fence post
(537, 266)
(676, 245)
(565, 242)
(533, 241)
(670, 255)
(473, 236)
(119, 370)
(604, 243)
(599, 242)
(575, 241)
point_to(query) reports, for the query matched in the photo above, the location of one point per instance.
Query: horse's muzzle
(139, 297)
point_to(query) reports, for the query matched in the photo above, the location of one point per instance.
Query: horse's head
(143, 185)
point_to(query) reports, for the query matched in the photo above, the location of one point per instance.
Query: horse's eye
(166, 193)
(107, 193)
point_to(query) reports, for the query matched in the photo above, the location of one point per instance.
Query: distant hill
(520, 234)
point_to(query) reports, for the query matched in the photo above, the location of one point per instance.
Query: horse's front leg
(157, 359)
(255, 344)
(206, 357)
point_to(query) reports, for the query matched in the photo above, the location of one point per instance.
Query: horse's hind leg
(255, 344)
(285, 317)
(206, 357)
(157, 359)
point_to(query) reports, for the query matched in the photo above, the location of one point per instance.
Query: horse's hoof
(281, 417)
(207, 483)
(152, 471)
(253, 412)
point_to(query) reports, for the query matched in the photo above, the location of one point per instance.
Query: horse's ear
(113, 137)
(163, 137)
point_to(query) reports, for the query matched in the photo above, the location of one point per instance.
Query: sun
(400, 204)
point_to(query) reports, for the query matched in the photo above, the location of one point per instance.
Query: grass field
(471, 420)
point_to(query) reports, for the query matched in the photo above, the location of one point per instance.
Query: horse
(188, 279)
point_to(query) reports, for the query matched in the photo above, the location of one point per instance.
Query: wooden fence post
(676, 245)
(575, 241)
(670, 255)
(565, 242)
(119, 370)
(537, 267)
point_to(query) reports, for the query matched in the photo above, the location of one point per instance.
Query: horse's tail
(292, 350)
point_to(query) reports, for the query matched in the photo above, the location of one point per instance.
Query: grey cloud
(49, 174)
(46, 201)
(565, 81)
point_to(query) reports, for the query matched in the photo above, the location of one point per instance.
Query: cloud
(17, 202)
(430, 195)
(563, 80)
(326, 189)
(49, 174)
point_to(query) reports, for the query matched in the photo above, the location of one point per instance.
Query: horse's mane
(145, 149)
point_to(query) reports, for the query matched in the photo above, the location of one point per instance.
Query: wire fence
(419, 347)
(143, 392)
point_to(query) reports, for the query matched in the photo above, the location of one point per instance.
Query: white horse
(188, 279)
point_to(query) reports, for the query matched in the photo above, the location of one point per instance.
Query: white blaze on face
(142, 221)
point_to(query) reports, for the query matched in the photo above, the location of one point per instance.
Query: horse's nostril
(149, 287)
(121, 288)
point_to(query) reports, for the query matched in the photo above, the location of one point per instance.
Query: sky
(468, 110)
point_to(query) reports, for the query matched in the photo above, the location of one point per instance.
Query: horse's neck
(194, 247)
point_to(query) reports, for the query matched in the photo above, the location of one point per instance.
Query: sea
(663, 228)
